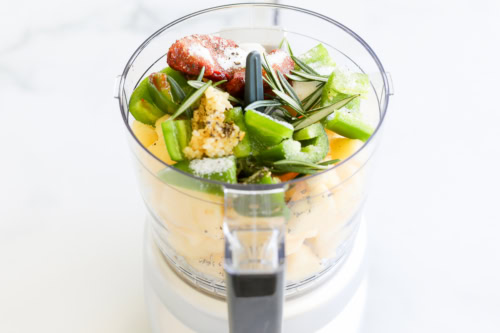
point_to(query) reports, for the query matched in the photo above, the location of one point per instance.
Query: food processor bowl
(314, 222)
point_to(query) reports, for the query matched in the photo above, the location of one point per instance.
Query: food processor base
(335, 305)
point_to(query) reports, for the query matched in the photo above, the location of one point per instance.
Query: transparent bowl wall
(325, 208)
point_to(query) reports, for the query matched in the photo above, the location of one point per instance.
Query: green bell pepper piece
(309, 132)
(285, 150)
(265, 130)
(312, 150)
(344, 121)
(177, 134)
(244, 148)
(161, 92)
(225, 172)
(222, 169)
(142, 105)
(348, 125)
(331, 96)
(318, 59)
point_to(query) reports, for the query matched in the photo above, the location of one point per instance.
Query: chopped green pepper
(313, 150)
(161, 92)
(177, 134)
(244, 148)
(348, 125)
(309, 132)
(222, 169)
(143, 106)
(266, 131)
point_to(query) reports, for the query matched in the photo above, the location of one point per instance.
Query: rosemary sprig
(218, 83)
(301, 167)
(318, 114)
(289, 90)
(284, 114)
(301, 163)
(329, 162)
(306, 68)
(177, 91)
(198, 84)
(309, 76)
(289, 48)
(281, 88)
(287, 100)
(273, 80)
(191, 100)
(297, 78)
(266, 102)
(314, 98)
(201, 74)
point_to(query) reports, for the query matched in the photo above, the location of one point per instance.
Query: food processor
(285, 257)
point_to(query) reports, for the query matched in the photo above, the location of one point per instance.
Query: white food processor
(287, 257)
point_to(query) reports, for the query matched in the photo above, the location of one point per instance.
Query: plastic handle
(254, 229)
(254, 89)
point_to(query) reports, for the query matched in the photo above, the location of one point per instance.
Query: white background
(71, 218)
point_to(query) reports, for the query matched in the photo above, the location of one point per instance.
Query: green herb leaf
(271, 84)
(320, 113)
(293, 168)
(289, 47)
(283, 41)
(300, 163)
(191, 100)
(234, 99)
(289, 101)
(196, 84)
(177, 91)
(202, 73)
(261, 103)
(329, 162)
(218, 83)
(270, 72)
(297, 78)
(288, 89)
(311, 77)
(255, 177)
(306, 68)
(310, 101)
(199, 84)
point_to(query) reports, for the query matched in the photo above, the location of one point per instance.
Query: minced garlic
(211, 136)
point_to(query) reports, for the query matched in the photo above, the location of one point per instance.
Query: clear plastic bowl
(325, 208)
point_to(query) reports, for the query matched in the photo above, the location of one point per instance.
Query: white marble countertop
(71, 219)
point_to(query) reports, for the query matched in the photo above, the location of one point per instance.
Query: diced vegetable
(312, 151)
(348, 125)
(285, 150)
(350, 83)
(319, 60)
(265, 130)
(141, 105)
(161, 92)
(309, 132)
(177, 134)
(243, 148)
(222, 169)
